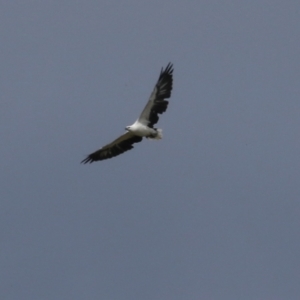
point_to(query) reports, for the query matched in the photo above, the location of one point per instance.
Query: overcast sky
(212, 211)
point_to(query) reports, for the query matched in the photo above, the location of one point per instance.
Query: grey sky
(211, 211)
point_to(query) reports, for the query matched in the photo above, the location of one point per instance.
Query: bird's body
(140, 129)
(143, 126)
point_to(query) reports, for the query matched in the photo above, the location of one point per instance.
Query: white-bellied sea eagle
(143, 126)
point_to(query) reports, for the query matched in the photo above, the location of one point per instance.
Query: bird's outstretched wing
(157, 103)
(120, 145)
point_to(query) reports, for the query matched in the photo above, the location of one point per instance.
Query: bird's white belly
(141, 130)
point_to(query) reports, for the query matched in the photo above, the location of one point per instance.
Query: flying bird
(143, 126)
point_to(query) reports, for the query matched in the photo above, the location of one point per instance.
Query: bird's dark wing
(120, 145)
(157, 103)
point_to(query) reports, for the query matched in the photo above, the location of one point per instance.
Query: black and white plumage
(143, 126)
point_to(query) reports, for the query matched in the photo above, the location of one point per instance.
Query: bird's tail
(158, 135)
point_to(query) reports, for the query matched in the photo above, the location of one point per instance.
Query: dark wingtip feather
(88, 159)
(168, 69)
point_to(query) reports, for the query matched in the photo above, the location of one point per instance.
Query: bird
(144, 125)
